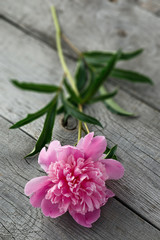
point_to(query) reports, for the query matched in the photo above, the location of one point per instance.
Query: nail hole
(122, 33)
(70, 123)
(113, 0)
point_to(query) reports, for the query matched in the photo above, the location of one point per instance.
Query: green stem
(76, 51)
(60, 52)
(79, 124)
(79, 130)
(87, 129)
(80, 55)
(70, 44)
(64, 65)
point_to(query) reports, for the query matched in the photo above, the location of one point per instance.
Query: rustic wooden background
(28, 53)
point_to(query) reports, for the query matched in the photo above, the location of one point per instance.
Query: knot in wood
(70, 123)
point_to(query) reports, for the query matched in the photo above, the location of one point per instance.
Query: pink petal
(65, 151)
(36, 184)
(84, 142)
(37, 197)
(109, 193)
(87, 219)
(93, 147)
(50, 209)
(47, 156)
(114, 169)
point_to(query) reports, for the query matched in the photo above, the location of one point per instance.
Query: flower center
(78, 182)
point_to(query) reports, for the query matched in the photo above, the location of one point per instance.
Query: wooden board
(27, 59)
(27, 53)
(104, 25)
(19, 220)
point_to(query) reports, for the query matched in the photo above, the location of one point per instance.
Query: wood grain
(27, 59)
(19, 220)
(104, 25)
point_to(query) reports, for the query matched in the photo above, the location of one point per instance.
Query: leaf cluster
(93, 69)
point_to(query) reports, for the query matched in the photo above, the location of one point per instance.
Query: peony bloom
(75, 180)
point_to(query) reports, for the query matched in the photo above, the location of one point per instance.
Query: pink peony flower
(75, 180)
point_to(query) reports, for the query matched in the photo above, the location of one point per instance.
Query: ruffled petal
(114, 169)
(85, 142)
(47, 156)
(50, 209)
(87, 219)
(36, 184)
(64, 152)
(92, 147)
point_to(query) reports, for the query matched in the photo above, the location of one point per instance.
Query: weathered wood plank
(20, 221)
(104, 25)
(151, 6)
(27, 59)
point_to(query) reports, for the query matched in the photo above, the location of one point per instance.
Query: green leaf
(65, 118)
(97, 58)
(130, 55)
(60, 110)
(46, 134)
(110, 153)
(113, 106)
(91, 77)
(81, 75)
(43, 88)
(72, 93)
(31, 117)
(103, 97)
(73, 111)
(100, 78)
(130, 76)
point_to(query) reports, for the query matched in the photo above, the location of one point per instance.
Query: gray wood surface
(19, 220)
(104, 25)
(135, 213)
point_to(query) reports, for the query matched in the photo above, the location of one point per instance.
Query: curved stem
(60, 52)
(64, 65)
(77, 51)
(79, 54)
(79, 124)
(87, 129)
(70, 44)
(79, 130)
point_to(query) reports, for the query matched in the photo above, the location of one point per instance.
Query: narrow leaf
(103, 97)
(43, 88)
(31, 117)
(91, 77)
(113, 106)
(130, 55)
(71, 92)
(130, 76)
(65, 118)
(60, 110)
(46, 134)
(97, 58)
(73, 111)
(98, 81)
(111, 152)
(81, 75)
